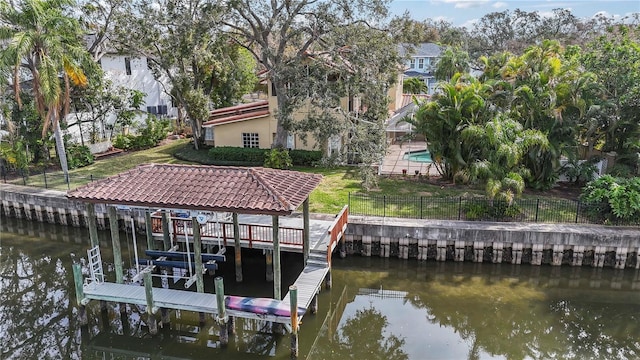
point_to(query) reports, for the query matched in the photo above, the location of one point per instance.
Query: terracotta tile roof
(194, 187)
(241, 112)
(234, 118)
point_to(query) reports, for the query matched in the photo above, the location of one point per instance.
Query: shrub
(78, 156)
(235, 155)
(148, 136)
(305, 157)
(277, 159)
(613, 199)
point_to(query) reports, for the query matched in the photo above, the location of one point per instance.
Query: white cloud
(469, 23)
(499, 5)
(464, 4)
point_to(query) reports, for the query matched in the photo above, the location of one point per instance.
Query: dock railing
(223, 230)
(336, 230)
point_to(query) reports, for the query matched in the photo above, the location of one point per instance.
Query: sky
(466, 12)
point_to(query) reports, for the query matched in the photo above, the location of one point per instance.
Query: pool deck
(394, 162)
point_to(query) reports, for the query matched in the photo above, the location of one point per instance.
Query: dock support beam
(313, 307)
(115, 243)
(91, 221)
(165, 231)
(77, 279)
(148, 292)
(197, 254)
(237, 247)
(222, 313)
(293, 303)
(268, 259)
(277, 293)
(305, 236)
(149, 229)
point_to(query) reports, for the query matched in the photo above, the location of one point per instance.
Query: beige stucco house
(254, 124)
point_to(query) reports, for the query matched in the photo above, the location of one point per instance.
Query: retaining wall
(515, 243)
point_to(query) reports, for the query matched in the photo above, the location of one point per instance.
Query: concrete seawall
(52, 206)
(514, 243)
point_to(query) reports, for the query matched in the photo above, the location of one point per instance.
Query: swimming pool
(423, 156)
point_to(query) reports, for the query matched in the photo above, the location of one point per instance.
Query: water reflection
(378, 309)
(481, 311)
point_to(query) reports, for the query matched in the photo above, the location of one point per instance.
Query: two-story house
(421, 64)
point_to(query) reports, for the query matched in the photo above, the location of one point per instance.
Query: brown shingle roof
(193, 187)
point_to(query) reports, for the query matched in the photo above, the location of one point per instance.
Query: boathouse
(187, 200)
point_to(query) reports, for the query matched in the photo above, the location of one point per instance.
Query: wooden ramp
(311, 278)
(170, 299)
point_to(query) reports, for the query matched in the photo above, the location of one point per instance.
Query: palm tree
(46, 43)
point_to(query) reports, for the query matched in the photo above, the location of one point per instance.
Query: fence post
(577, 210)
(349, 200)
(537, 208)
(460, 208)
(91, 177)
(44, 173)
(421, 198)
(24, 180)
(384, 205)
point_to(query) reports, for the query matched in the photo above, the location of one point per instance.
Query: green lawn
(329, 197)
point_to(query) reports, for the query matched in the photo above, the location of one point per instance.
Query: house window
(208, 133)
(127, 65)
(273, 90)
(250, 140)
(152, 110)
(420, 63)
(412, 64)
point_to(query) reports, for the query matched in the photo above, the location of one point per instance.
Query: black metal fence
(47, 180)
(480, 209)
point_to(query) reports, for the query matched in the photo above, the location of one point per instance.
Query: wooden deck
(310, 279)
(170, 299)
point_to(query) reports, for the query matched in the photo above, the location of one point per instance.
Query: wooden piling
(306, 231)
(237, 247)
(293, 305)
(91, 221)
(277, 293)
(115, 243)
(268, 258)
(197, 254)
(327, 280)
(77, 279)
(148, 291)
(313, 307)
(166, 240)
(149, 230)
(222, 313)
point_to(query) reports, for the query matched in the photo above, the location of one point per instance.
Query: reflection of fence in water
(330, 324)
(382, 293)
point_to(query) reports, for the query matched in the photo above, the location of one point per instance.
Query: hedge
(227, 155)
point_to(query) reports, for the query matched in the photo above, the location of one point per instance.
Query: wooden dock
(310, 279)
(169, 299)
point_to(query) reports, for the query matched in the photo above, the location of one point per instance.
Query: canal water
(376, 309)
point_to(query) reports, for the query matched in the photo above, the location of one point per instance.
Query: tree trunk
(196, 134)
(62, 155)
(282, 133)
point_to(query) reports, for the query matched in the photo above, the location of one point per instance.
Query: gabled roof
(423, 50)
(195, 187)
(253, 110)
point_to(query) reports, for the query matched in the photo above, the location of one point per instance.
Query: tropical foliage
(613, 199)
(47, 43)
